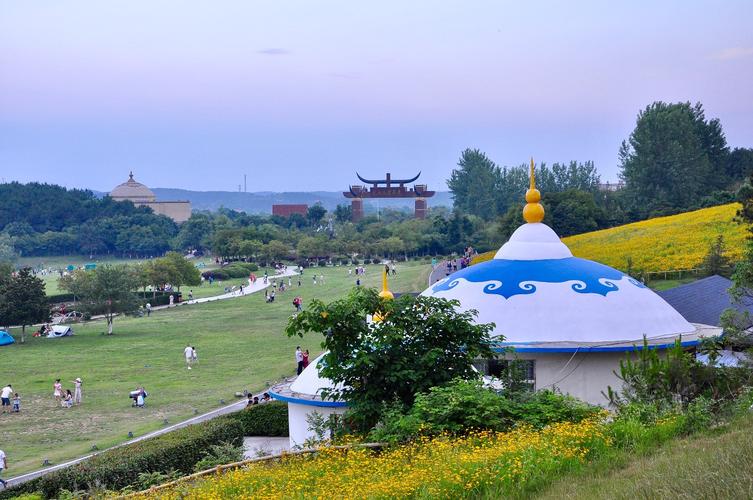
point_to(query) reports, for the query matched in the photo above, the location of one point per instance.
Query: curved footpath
(238, 405)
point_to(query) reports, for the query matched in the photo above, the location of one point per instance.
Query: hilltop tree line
(674, 160)
(44, 219)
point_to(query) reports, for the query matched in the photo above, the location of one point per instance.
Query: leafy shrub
(148, 479)
(219, 454)
(217, 274)
(356, 262)
(322, 263)
(178, 451)
(464, 405)
(267, 419)
(60, 297)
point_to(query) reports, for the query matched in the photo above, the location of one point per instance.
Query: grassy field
(672, 243)
(240, 344)
(718, 465)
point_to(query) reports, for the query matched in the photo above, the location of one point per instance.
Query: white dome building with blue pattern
(571, 319)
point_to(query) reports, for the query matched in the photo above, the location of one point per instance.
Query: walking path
(247, 289)
(438, 273)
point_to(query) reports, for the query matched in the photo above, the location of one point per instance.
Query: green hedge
(178, 450)
(266, 419)
(60, 297)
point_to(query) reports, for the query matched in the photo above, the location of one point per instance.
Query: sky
(300, 95)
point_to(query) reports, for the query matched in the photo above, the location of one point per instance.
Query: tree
(739, 164)
(23, 301)
(186, 273)
(571, 212)
(423, 342)
(275, 251)
(316, 213)
(343, 213)
(107, 290)
(673, 157)
(715, 261)
(474, 183)
(249, 248)
(7, 251)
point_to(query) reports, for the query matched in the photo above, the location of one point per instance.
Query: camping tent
(60, 331)
(5, 338)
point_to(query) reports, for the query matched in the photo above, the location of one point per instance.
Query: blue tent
(5, 338)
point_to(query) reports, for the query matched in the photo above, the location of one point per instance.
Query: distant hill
(261, 202)
(667, 243)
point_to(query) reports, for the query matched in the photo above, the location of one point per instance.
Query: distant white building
(142, 196)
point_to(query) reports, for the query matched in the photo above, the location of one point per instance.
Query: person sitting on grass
(67, 401)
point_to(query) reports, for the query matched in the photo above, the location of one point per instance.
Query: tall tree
(474, 184)
(673, 157)
(107, 290)
(23, 301)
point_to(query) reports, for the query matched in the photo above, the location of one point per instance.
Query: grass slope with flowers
(672, 243)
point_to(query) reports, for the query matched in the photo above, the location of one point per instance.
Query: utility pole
(245, 190)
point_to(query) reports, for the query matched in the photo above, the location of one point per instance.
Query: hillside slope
(665, 243)
(661, 244)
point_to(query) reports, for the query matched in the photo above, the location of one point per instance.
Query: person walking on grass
(16, 403)
(3, 466)
(148, 309)
(5, 396)
(299, 359)
(188, 353)
(77, 391)
(194, 356)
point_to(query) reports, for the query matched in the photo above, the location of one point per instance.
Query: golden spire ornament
(385, 293)
(533, 211)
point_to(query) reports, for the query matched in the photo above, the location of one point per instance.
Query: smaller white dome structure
(304, 397)
(134, 191)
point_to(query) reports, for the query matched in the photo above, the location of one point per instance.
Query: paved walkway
(438, 273)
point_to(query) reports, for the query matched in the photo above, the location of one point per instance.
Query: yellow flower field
(661, 244)
(442, 467)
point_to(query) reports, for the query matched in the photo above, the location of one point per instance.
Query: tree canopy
(22, 300)
(421, 343)
(673, 157)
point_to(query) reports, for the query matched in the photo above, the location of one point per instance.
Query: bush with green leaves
(674, 375)
(396, 358)
(220, 454)
(267, 419)
(463, 405)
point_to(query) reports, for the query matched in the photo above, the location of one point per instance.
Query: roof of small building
(133, 190)
(705, 300)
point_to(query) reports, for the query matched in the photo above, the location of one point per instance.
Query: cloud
(734, 53)
(274, 52)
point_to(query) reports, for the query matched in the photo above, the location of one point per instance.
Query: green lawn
(240, 344)
(660, 285)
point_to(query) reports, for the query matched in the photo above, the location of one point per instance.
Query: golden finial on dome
(385, 293)
(533, 211)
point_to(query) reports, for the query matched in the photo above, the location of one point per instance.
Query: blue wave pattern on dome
(517, 277)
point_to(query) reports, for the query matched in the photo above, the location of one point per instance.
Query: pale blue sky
(299, 95)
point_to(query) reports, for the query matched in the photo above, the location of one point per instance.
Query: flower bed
(439, 467)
